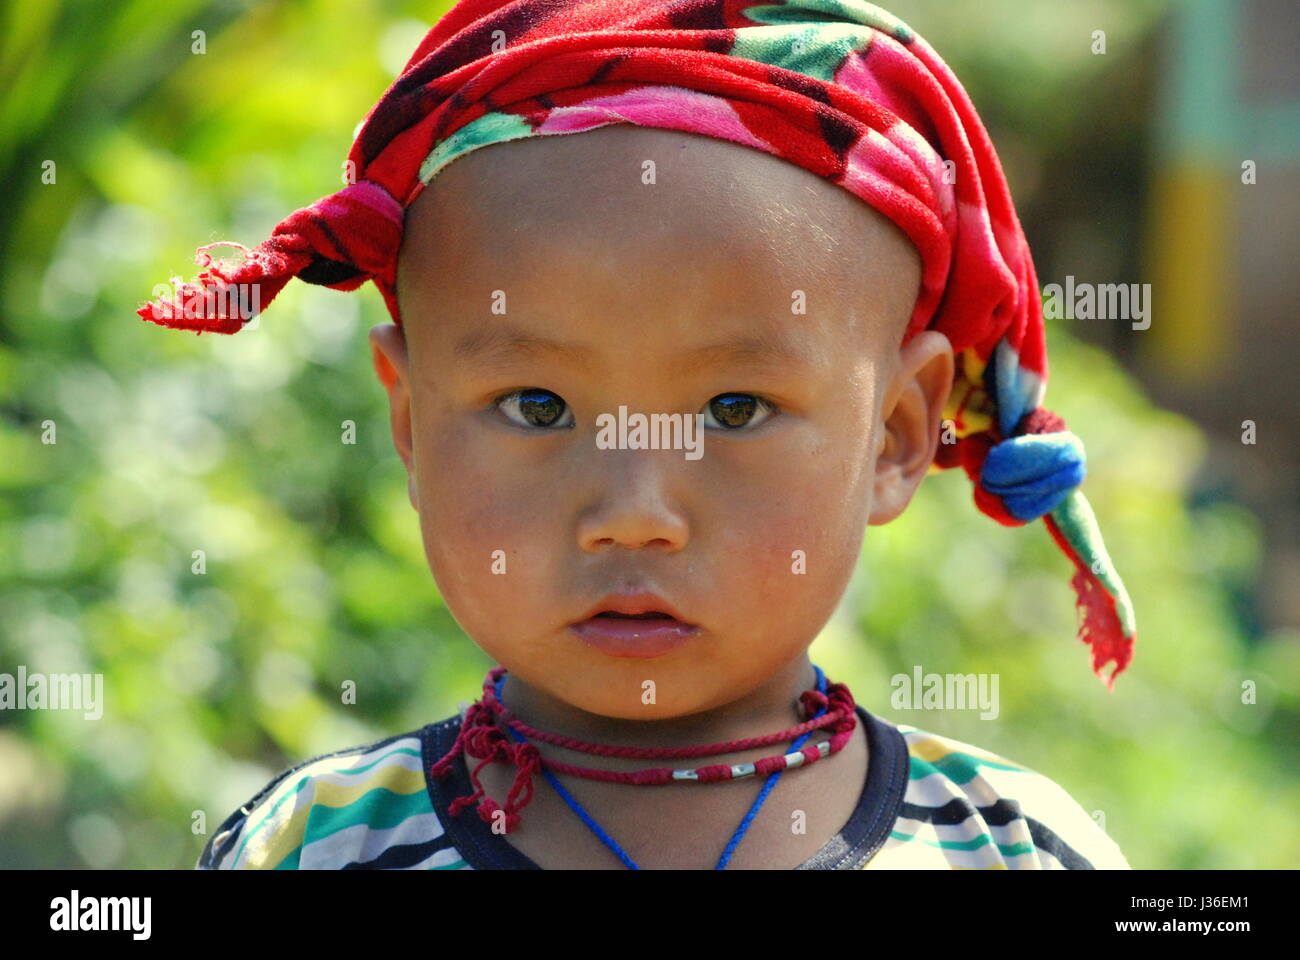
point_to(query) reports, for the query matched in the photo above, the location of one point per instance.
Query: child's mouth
(635, 616)
(651, 633)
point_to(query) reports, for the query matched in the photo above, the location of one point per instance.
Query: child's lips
(637, 636)
(633, 603)
(636, 623)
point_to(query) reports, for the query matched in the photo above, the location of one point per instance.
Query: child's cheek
(810, 495)
(488, 536)
(800, 535)
(797, 556)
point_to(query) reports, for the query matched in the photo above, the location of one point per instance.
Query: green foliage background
(168, 443)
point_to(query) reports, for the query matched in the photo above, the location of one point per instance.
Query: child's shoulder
(966, 807)
(365, 807)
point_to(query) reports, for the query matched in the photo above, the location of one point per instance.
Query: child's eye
(534, 407)
(732, 411)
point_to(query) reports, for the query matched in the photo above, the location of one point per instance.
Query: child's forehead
(648, 199)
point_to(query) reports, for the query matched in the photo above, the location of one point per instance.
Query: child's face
(560, 239)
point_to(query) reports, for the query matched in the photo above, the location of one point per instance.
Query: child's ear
(388, 351)
(910, 418)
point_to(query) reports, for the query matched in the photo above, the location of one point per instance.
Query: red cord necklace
(481, 737)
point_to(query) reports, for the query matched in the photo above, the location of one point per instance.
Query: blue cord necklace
(609, 841)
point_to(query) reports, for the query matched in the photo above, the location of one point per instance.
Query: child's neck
(681, 825)
(772, 707)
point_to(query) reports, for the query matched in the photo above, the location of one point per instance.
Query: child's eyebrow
(757, 350)
(500, 347)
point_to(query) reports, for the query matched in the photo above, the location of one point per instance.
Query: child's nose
(633, 505)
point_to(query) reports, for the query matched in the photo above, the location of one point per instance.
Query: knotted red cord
(480, 736)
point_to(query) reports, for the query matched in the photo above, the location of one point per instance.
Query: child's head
(668, 296)
(820, 183)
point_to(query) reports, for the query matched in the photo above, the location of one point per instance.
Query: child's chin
(626, 689)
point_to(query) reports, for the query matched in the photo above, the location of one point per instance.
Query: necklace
(736, 836)
(825, 705)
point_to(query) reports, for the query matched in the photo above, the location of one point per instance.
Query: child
(786, 220)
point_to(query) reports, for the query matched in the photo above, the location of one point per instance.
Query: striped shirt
(928, 802)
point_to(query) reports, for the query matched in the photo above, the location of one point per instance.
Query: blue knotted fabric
(1032, 474)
